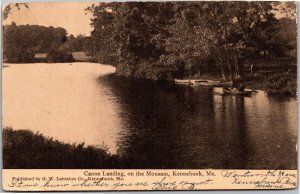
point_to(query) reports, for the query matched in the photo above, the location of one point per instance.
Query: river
(154, 125)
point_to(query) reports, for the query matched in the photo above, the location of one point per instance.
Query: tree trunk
(221, 64)
(236, 64)
(241, 67)
(229, 65)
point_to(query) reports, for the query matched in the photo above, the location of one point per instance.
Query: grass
(276, 84)
(25, 149)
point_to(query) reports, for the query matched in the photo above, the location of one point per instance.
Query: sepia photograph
(150, 85)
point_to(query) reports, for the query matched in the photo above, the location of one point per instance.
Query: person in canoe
(241, 88)
(237, 88)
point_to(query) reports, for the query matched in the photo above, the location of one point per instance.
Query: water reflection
(151, 124)
(62, 101)
(169, 126)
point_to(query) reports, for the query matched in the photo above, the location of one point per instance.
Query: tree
(186, 48)
(233, 31)
(75, 44)
(20, 43)
(11, 7)
(186, 36)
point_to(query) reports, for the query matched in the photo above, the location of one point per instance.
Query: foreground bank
(25, 149)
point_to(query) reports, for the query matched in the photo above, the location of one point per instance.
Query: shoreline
(276, 85)
(280, 84)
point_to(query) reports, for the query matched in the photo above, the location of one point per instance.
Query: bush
(25, 149)
(285, 83)
(276, 84)
(59, 56)
(18, 56)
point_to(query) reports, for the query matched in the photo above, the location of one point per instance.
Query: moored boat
(212, 83)
(188, 81)
(182, 81)
(230, 91)
(202, 82)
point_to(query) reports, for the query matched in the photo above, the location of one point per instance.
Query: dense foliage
(75, 43)
(20, 43)
(25, 149)
(163, 40)
(281, 84)
(189, 37)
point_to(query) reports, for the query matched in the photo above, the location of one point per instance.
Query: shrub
(286, 83)
(18, 56)
(25, 149)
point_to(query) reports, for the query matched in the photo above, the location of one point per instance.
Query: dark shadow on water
(170, 126)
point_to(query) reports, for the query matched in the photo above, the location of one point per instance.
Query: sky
(69, 15)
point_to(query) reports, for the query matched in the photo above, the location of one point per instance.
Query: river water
(153, 125)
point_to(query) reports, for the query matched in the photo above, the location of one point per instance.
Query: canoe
(182, 81)
(236, 92)
(203, 82)
(187, 81)
(212, 83)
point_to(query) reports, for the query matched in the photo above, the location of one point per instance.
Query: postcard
(106, 96)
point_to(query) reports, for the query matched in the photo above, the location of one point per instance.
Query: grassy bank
(25, 149)
(276, 84)
(277, 80)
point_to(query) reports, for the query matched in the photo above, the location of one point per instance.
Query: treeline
(76, 43)
(22, 42)
(161, 40)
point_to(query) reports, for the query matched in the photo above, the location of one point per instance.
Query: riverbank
(25, 149)
(280, 83)
(275, 84)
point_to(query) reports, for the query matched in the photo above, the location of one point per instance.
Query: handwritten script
(66, 180)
